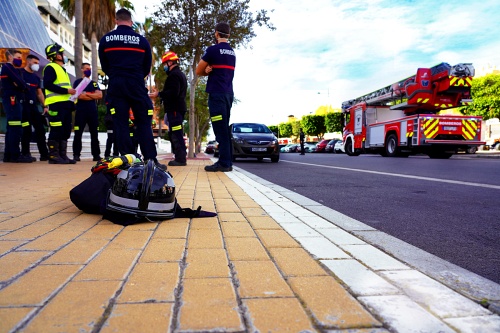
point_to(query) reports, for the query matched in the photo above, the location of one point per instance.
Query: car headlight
(274, 143)
(239, 141)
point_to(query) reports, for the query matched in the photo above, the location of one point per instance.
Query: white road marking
(457, 182)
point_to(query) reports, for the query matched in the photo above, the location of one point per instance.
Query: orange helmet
(169, 55)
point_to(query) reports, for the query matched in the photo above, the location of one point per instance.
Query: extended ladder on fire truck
(429, 90)
(402, 118)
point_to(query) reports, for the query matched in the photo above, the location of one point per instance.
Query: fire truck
(402, 119)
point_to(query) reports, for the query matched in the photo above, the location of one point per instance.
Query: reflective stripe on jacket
(62, 80)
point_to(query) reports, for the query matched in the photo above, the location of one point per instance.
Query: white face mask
(35, 67)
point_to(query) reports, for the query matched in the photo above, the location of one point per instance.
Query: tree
(285, 129)
(98, 19)
(313, 125)
(486, 97)
(187, 28)
(274, 129)
(334, 122)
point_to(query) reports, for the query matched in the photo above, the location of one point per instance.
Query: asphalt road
(450, 208)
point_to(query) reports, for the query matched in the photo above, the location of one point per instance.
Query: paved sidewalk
(264, 264)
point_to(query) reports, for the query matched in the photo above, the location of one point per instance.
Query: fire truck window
(347, 118)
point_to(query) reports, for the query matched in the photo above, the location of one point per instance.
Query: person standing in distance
(58, 90)
(302, 137)
(219, 62)
(33, 98)
(173, 97)
(13, 88)
(86, 113)
(126, 59)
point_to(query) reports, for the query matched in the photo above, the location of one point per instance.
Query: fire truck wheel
(391, 146)
(349, 149)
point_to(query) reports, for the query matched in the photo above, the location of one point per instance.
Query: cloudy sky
(324, 52)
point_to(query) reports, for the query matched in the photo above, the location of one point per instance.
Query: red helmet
(169, 55)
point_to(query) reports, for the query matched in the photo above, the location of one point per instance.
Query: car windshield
(250, 128)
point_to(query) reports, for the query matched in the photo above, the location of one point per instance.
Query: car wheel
(275, 159)
(260, 159)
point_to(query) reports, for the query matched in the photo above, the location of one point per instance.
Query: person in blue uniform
(86, 113)
(126, 59)
(58, 91)
(13, 89)
(173, 96)
(33, 101)
(218, 62)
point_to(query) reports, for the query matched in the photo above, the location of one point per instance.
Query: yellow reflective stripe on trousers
(14, 123)
(52, 113)
(131, 134)
(176, 128)
(216, 118)
(25, 124)
(150, 112)
(55, 123)
(112, 110)
(76, 128)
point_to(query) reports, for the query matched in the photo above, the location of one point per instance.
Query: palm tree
(98, 19)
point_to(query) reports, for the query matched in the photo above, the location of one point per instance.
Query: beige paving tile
(6, 245)
(51, 241)
(144, 318)
(209, 305)
(205, 239)
(164, 249)
(10, 317)
(260, 279)
(226, 205)
(277, 315)
(77, 307)
(129, 240)
(253, 212)
(276, 238)
(245, 202)
(15, 262)
(237, 229)
(207, 205)
(204, 263)
(80, 251)
(34, 287)
(151, 282)
(245, 249)
(110, 264)
(102, 231)
(29, 232)
(296, 262)
(205, 223)
(263, 222)
(231, 217)
(330, 304)
(172, 229)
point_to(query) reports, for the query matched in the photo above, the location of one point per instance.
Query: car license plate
(449, 128)
(259, 149)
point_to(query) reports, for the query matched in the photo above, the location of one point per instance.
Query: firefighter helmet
(143, 190)
(169, 55)
(52, 50)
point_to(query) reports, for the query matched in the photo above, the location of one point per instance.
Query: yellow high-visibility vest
(62, 80)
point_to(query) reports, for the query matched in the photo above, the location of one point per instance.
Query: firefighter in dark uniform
(86, 114)
(34, 99)
(57, 97)
(173, 96)
(13, 88)
(126, 59)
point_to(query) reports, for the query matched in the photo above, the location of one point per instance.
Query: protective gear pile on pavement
(126, 190)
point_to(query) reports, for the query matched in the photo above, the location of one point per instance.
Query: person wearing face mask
(218, 63)
(58, 90)
(31, 115)
(13, 88)
(86, 113)
(173, 97)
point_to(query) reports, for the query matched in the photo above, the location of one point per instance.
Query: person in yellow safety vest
(57, 97)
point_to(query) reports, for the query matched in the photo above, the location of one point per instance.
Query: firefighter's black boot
(54, 157)
(63, 147)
